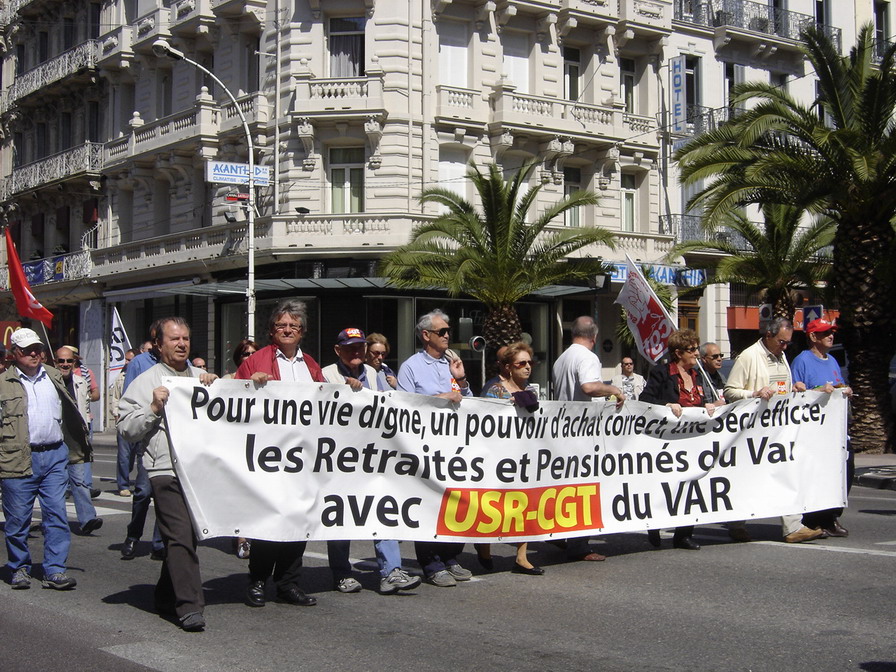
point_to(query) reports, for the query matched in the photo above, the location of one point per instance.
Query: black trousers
(180, 584)
(433, 556)
(281, 560)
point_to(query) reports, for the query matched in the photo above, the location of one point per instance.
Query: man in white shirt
(631, 383)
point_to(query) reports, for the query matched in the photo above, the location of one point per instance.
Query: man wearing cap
(819, 371)
(350, 369)
(79, 482)
(42, 431)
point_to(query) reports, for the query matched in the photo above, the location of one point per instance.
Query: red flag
(647, 319)
(26, 303)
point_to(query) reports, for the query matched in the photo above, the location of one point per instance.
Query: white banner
(119, 344)
(647, 319)
(292, 461)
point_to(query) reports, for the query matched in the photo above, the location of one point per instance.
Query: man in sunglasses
(42, 431)
(712, 359)
(433, 373)
(80, 480)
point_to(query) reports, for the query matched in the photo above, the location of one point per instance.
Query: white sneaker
(398, 579)
(348, 585)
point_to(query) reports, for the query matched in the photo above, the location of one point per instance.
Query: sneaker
(442, 579)
(398, 579)
(95, 492)
(124, 492)
(192, 622)
(803, 534)
(59, 581)
(459, 573)
(348, 585)
(21, 580)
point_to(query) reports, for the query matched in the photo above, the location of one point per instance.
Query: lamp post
(162, 49)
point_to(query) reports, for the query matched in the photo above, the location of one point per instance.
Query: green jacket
(15, 448)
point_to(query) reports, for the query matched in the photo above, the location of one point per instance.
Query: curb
(881, 478)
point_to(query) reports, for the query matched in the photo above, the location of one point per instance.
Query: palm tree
(495, 255)
(837, 158)
(782, 255)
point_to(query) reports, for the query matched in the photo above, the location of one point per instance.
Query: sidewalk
(872, 471)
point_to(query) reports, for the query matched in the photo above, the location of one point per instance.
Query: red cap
(820, 325)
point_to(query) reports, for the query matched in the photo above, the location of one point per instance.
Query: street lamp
(162, 49)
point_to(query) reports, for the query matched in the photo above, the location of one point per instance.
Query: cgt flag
(26, 303)
(119, 344)
(648, 321)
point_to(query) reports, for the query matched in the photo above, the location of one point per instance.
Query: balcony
(701, 119)
(191, 17)
(74, 61)
(116, 48)
(590, 12)
(686, 228)
(465, 107)
(59, 268)
(254, 107)
(151, 27)
(349, 96)
(648, 18)
(83, 161)
(752, 22)
(239, 7)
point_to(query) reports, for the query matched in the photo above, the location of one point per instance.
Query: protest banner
(647, 319)
(296, 461)
(119, 344)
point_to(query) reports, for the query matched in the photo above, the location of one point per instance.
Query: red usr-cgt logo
(519, 513)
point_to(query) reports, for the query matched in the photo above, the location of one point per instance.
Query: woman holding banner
(676, 385)
(515, 368)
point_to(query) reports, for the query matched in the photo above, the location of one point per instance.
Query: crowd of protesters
(46, 430)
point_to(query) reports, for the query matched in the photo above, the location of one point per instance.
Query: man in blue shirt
(819, 371)
(432, 373)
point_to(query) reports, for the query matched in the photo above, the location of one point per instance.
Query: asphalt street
(821, 606)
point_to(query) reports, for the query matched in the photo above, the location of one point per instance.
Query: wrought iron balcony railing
(58, 268)
(86, 158)
(67, 63)
(753, 16)
(686, 228)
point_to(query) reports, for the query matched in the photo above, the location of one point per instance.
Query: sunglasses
(693, 348)
(718, 356)
(444, 331)
(522, 365)
(65, 361)
(247, 353)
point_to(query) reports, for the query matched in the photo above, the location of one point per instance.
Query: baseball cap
(23, 338)
(820, 325)
(350, 336)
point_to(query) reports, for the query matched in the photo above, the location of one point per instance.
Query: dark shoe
(255, 594)
(294, 595)
(158, 555)
(836, 530)
(59, 581)
(559, 543)
(589, 557)
(653, 536)
(686, 543)
(129, 548)
(528, 571)
(192, 622)
(21, 580)
(95, 492)
(91, 526)
(739, 535)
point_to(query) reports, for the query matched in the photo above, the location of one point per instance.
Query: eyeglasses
(693, 348)
(717, 356)
(65, 361)
(522, 365)
(247, 353)
(443, 332)
(628, 363)
(377, 353)
(783, 342)
(285, 326)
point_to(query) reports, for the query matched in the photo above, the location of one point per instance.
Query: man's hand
(710, 408)
(454, 396)
(260, 378)
(766, 393)
(675, 408)
(207, 378)
(800, 387)
(159, 399)
(393, 381)
(456, 366)
(354, 383)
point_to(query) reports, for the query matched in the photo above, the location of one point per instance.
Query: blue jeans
(388, 557)
(79, 476)
(140, 507)
(47, 484)
(126, 454)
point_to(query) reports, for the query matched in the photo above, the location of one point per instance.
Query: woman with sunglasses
(377, 351)
(515, 368)
(243, 350)
(676, 385)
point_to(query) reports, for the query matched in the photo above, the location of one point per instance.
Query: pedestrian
(141, 418)
(676, 385)
(92, 396)
(495, 379)
(578, 377)
(631, 383)
(282, 360)
(712, 358)
(79, 484)
(377, 351)
(42, 431)
(762, 372)
(351, 350)
(818, 370)
(432, 372)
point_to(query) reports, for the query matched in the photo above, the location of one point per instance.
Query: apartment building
(355, 107)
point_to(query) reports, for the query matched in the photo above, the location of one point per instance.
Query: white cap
(23, 338)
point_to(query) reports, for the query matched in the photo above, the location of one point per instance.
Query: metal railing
(67, 63)
(84, 158)
(58, 268)
(753, 16)
(686, 228)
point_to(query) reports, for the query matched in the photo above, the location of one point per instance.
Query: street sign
(224, 172)
(812, 313)
(236, 197)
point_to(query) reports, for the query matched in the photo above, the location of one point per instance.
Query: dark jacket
(15, 447)
(662, 385)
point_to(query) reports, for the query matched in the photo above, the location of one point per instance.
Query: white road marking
(832, 549)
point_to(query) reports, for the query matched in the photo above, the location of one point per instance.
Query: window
(453, 48)
(734, 75)
(347, 179)
(881, 26)
(572, 72)
(68, 33)
(93, 121)
(779, 80)
(629, 193)
(94, 21)
(41, 142)
(20, 59)
(821, 12)
(253, 78)
(516, 60)
(572, 182)
(163, 103)
(65, 130)
(347, 47)
(627, 81)
(692, 82)
(18, 149)
(43, 46)
(453, 170)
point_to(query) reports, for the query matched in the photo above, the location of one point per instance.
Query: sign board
(678, 94)
(812, 313)
(224, 172)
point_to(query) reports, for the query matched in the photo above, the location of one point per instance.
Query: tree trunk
(502, 326)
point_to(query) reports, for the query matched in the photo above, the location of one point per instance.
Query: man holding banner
(142, 419)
